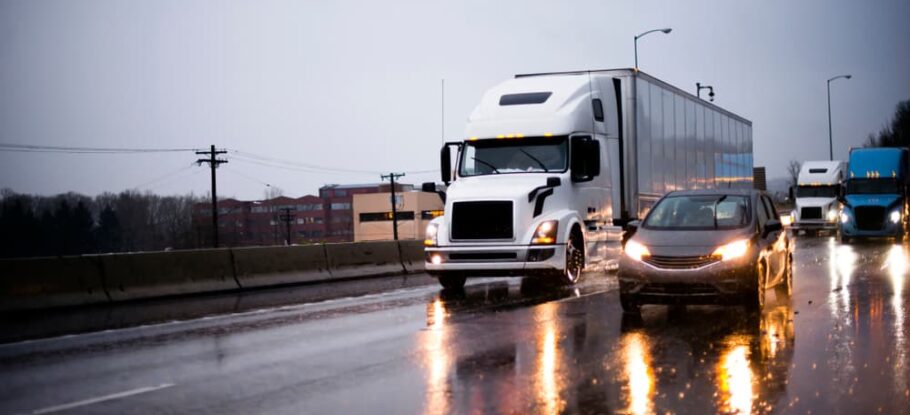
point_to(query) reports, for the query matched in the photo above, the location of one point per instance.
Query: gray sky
(355, 84)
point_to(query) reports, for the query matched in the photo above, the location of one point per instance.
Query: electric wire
(29, 148)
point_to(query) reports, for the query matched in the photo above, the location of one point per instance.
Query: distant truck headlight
(895, 216)
(636, 250)
(431, 238)
(844, 218)
(545, 233)
(832, 215)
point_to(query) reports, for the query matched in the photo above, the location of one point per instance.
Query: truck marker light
(636, 250)
(500, 136)
(472, 138)
(547, 134)
(733, 250)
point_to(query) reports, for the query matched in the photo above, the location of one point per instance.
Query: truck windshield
(816, 191)
(699, 212)
(519, 155)
(872, 186)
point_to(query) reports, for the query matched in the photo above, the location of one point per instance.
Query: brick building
(313, 219)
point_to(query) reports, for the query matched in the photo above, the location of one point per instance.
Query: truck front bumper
(814, 225)
(889, 229)
(494, 260)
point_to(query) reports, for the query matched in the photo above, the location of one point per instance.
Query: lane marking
(99, 399)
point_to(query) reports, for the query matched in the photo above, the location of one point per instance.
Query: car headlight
(895, 216)
(844, 218)
(732, 250)
(545, 233)
(431, 238)
(832, 215)
(636, 250)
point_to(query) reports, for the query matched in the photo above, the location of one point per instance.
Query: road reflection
(548, 384)
(437, 363)
(638, 373)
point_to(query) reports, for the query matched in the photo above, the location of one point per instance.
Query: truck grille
(482, 220)
(680, 262)
(870, 218)
(811, 213)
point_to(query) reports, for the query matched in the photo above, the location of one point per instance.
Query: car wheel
(785, 288)
(452, 281)
(575, 259)
(755, 297)
(629, 303)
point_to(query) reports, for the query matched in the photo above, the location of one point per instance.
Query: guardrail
(38, 283)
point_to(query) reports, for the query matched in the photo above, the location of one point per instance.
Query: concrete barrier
(363, 259)
(156, 274)
(35, 283)
(412, 257)
(267, 266)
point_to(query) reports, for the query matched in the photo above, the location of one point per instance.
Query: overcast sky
(355, 84)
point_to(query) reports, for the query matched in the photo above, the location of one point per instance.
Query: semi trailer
(553, 166)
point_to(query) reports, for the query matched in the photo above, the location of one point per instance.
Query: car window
(699, 212)
(772, 212)
(762, 213)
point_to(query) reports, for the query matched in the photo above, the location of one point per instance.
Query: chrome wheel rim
(573, 261)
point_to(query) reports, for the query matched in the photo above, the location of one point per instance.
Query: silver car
(706, 246)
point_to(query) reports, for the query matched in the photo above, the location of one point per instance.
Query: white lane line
(104, 398)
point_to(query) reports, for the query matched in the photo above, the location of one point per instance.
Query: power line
(162, 177)
(297, 164)
(29, 148)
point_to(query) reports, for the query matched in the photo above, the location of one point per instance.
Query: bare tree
(793, 172)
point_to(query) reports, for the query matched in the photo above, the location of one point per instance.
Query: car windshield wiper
(488, 164)
(536, 160)
(716, 202)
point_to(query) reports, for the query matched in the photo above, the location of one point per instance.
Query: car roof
(731, 192)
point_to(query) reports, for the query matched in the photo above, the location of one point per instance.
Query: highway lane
(502, 346)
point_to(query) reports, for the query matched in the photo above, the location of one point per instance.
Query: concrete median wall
(36, 283)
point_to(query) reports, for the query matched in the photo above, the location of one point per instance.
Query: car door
(779, 252)
(765, 241)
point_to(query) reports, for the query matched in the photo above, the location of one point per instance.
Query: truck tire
(452, 281)
(755, 296)
(785, 288)
(575, 258)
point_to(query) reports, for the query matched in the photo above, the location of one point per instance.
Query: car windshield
(872, 186)
(520, 155)
(699, 212)
(816, 191)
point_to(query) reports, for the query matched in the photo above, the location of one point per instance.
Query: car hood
(688, 242)
(871, 200)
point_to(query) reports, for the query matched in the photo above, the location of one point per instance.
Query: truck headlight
(636, 250)
(895, 216)
(832, 215)
(545, 233)
(431, 238)
(844, 218)
(732, 250)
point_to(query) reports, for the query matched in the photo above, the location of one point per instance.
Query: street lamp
(830, 138)
(699, 87)
(665, 30)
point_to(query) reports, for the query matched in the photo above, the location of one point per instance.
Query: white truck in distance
(554, 166)
(817, 187)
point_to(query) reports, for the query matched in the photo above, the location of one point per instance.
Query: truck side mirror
(585, 161)
(445, 164)
(630, 230)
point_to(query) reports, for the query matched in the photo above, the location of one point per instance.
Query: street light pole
(830, 135)
(665, 30)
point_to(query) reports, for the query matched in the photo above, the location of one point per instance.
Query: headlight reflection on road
(547, 380)
(735, 378)
(897, 265)
(638, 373)
(841, 264)
(435, 342)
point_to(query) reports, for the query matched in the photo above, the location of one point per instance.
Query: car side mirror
(585, 161)
(445, 164)
(772, 225)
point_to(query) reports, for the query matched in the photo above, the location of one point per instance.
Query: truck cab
(875, 194)
(816, 196)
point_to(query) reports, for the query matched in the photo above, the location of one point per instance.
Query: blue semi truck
(875, 194)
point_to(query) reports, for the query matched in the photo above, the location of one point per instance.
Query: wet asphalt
(402, 346)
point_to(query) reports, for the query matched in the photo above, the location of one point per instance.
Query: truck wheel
(629, 303)
(755, 296)
(575, 259)
(785, 288)
(452, 281)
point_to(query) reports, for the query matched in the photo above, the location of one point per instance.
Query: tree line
(72, 224)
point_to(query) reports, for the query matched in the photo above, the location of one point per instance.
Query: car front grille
(680, 262)
(482, 220)
(811, 213)
(870, 218)
(670, 289)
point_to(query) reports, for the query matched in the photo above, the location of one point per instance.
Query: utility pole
(392, 177)
(213, 164)
(287, 217)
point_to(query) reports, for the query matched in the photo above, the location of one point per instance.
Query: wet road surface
(502, 346)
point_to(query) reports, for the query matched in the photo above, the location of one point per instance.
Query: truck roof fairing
(566, 110)
(821, 173)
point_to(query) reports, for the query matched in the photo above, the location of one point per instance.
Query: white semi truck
(553, 166)
(817, 188)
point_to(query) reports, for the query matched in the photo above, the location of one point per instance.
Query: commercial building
(373, 215)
